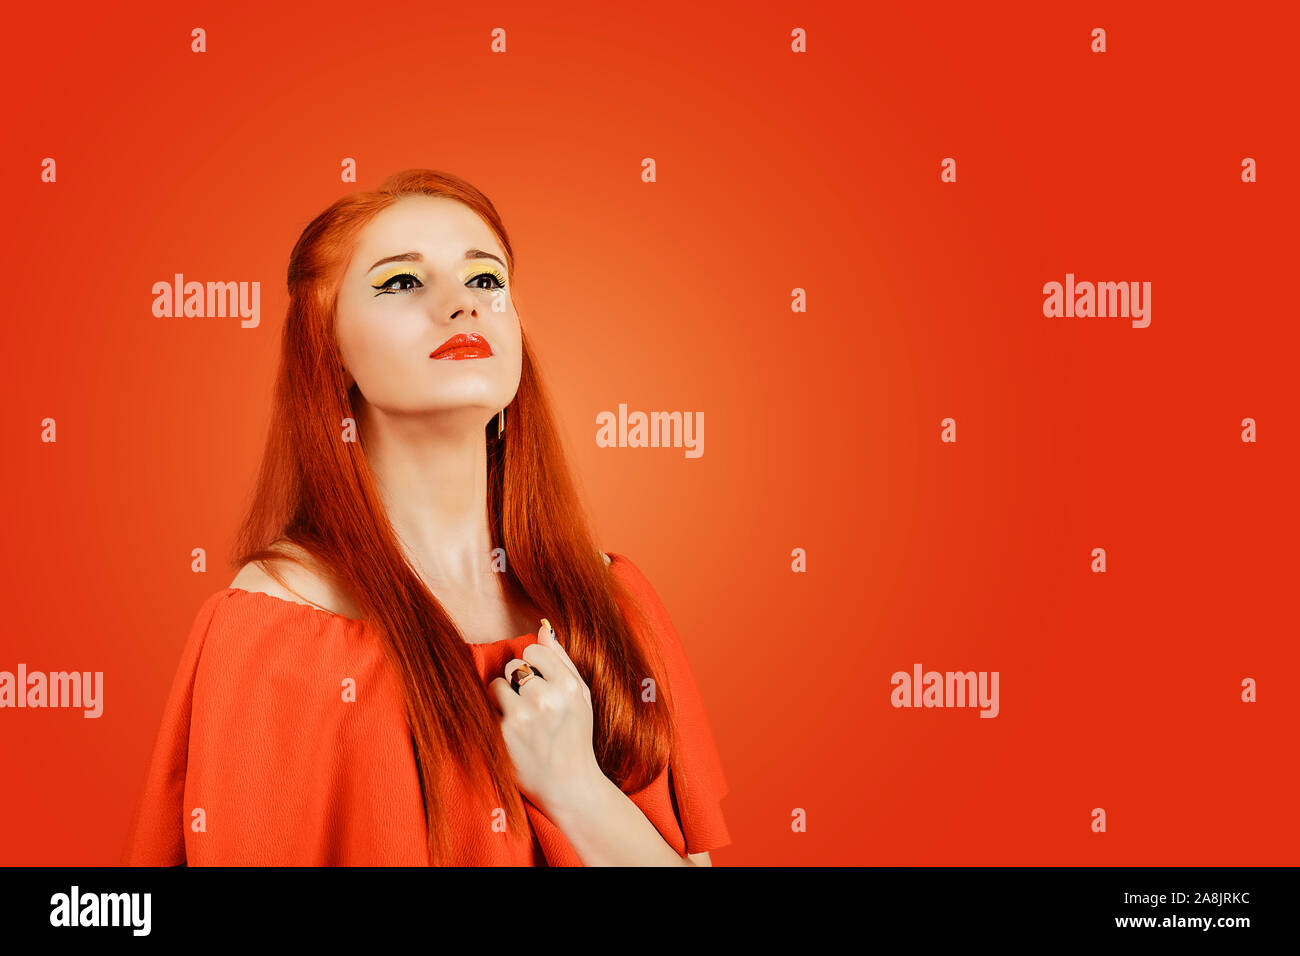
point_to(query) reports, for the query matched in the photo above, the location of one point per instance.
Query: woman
(381, 683)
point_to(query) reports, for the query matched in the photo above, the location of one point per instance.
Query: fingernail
(548, 626)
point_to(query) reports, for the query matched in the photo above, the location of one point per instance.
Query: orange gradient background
(776, 171)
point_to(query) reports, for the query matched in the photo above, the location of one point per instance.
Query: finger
(503, 695)
(563, 675)
(553, 642)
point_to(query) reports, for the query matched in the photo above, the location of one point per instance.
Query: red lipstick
(463, 345)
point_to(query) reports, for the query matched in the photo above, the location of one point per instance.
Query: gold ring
(528, 674)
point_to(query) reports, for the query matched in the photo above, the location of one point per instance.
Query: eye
(386, 287)
(496, 281)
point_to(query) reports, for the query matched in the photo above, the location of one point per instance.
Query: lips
(463, 345)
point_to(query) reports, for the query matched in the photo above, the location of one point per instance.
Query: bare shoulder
(295, 578)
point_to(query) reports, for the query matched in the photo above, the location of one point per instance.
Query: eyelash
(384, 290)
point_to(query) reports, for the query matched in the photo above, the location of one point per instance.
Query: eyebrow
(416, 257)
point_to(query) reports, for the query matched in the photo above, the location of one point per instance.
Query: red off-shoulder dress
(256, 733)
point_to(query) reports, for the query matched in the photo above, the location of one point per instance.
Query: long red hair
(317, 491)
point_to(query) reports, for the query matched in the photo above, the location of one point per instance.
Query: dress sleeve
(697, 760)
(282, 744)
(157, 836)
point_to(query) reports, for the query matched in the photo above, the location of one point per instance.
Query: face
(449, 278)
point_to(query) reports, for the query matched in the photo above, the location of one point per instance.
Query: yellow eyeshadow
(400, 269)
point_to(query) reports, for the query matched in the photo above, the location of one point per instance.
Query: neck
(431, 471)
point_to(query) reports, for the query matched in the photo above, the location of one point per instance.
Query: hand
(547, 725)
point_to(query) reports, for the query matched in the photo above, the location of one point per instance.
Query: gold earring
(501, 422)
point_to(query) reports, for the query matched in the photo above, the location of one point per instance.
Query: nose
(459, 305)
